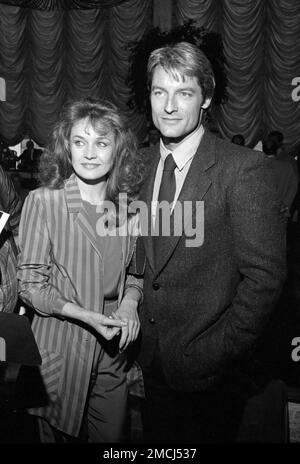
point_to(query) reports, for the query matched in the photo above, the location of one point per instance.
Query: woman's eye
(102, 144)
(185, 94)
(78, 143)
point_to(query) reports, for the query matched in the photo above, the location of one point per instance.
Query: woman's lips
(90, 165)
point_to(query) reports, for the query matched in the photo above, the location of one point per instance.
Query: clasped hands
(124, 321)
(127, 312)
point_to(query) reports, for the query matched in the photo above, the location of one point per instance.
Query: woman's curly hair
(127, 172)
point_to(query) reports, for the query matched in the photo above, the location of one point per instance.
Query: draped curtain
(50, 55)
(63, 4)
(262, 47)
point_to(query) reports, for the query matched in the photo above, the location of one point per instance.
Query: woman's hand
(105, 326)
(127, 312)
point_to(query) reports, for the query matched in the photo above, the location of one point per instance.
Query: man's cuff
(127, 286)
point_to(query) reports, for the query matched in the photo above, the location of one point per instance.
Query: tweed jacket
(59, 261)
(206, 306)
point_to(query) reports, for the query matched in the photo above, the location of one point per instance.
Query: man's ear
(206, 103)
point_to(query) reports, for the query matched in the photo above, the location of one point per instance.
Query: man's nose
(171, 104)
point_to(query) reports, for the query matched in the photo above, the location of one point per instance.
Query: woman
(75, 277)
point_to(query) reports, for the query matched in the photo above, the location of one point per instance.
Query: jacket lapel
(75, 207)
(196, 184)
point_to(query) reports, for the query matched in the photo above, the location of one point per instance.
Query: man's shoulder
(149, 152)
(149, 156)
(232, 154)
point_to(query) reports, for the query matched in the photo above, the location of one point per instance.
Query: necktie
(168, 182)
(167, 193)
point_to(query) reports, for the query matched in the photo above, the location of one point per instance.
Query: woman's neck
(92, 193)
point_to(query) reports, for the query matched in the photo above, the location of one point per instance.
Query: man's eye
(186, 94)
(157, 93)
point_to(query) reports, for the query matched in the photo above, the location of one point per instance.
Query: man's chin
(172, 138)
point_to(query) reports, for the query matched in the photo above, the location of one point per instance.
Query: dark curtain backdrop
(48, 56)
(262, 48)
(64, 4)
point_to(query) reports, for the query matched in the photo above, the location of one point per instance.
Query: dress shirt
(183, 154)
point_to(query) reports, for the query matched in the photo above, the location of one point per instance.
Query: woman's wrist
(73, 311)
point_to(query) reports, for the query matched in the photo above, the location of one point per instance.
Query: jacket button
(151, 320)
(155, 286)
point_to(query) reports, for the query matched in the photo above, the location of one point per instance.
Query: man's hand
(127, 312)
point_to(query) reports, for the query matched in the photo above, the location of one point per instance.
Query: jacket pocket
(51, 371)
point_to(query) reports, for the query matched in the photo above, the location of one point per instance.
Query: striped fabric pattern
(8, 287)
(59, 261)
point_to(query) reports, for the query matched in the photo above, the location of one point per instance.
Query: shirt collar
(185, 150)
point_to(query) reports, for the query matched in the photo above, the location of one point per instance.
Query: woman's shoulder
(46, 194)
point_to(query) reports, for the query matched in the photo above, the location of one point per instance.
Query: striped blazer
(59, 261)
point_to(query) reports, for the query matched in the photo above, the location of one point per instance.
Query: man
(285, 169)
(204, 306)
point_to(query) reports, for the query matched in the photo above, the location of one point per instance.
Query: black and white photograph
(149, 227)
